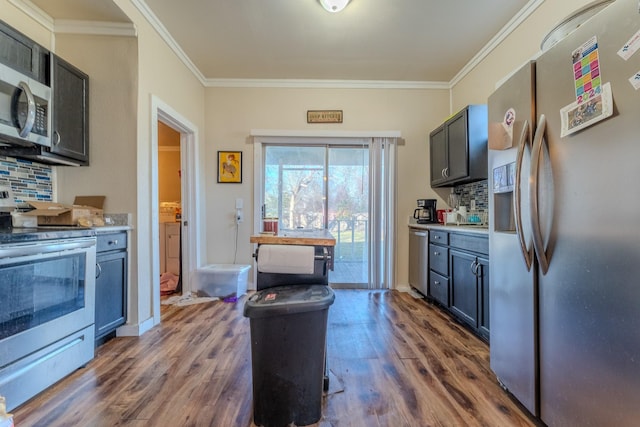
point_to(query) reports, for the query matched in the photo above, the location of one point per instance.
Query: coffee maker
(426, 211)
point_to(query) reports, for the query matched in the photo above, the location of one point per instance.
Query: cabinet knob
(436, 237)
(436, 253)
(436, 282)
(113, 242)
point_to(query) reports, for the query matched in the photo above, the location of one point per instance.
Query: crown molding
(509, 28)
(100, 28)
(153, 20)
(125, 29)
(324, 84)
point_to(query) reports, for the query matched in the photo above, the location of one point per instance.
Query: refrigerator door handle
(527, 253)
(538, 243)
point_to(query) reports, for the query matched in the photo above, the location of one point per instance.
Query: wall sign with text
(324, 116)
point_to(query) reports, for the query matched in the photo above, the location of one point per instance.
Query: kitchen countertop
(471, 229)
(302, 237)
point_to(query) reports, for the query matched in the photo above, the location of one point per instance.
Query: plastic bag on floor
(168, 283)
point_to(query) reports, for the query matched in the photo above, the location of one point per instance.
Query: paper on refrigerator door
(635, 80)
(577, 116)
(630, 47)
(586, 70)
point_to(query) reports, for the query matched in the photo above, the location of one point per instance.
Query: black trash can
(288, 345)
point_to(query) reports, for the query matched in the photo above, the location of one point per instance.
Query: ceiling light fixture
(334, 6)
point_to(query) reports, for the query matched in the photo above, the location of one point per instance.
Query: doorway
(170, 209)
(189, 221)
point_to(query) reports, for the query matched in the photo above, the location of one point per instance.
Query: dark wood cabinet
(464, 287)
(459, 276)
(70, 136)
(439, 266)
(438, 155)
(23, 54)
(111, 284)
(69, 105)
(458, 148)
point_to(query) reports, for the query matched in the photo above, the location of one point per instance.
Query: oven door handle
(34, 248)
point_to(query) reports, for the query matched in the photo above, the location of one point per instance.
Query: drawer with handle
(439, 288)
(439, 237)
(439, 259)
(111, 241)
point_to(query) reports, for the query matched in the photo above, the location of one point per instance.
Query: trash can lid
(289, 299)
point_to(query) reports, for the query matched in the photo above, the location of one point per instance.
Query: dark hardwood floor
(394, 361)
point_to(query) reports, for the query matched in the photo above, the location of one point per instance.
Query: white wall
(231, 113)
(163, 75)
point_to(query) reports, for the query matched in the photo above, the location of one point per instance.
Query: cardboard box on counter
(84, 208)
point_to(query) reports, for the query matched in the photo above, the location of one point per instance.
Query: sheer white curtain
(383, 154)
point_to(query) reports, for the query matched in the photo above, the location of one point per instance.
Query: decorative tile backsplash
(478, 191)
(28, 180)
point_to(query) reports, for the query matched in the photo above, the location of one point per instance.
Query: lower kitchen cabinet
(470, 290)
(111, 284)
(459, 276)
(464, 287)
(439, 266)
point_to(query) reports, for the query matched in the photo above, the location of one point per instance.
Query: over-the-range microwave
(25, 109)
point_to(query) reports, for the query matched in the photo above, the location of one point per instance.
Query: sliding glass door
(348, 208)
(323, 187)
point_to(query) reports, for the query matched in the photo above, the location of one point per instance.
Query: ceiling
(370, 40)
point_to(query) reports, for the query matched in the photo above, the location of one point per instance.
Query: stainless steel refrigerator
(564, 161)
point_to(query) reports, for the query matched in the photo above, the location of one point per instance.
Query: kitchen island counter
(317, 238)
(305, 238)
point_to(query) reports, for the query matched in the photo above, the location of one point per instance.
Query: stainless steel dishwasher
(419, 259)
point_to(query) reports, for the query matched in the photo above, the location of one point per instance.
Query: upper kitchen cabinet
(23, 54)
(458, 148)
(70, 137)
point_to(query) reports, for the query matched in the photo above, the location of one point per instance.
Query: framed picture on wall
(230, 167)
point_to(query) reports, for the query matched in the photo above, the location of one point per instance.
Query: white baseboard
(135, 330)
(403, 288)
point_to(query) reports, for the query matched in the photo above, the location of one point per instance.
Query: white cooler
(221, 280)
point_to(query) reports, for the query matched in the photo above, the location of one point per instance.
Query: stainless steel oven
(47, 309)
